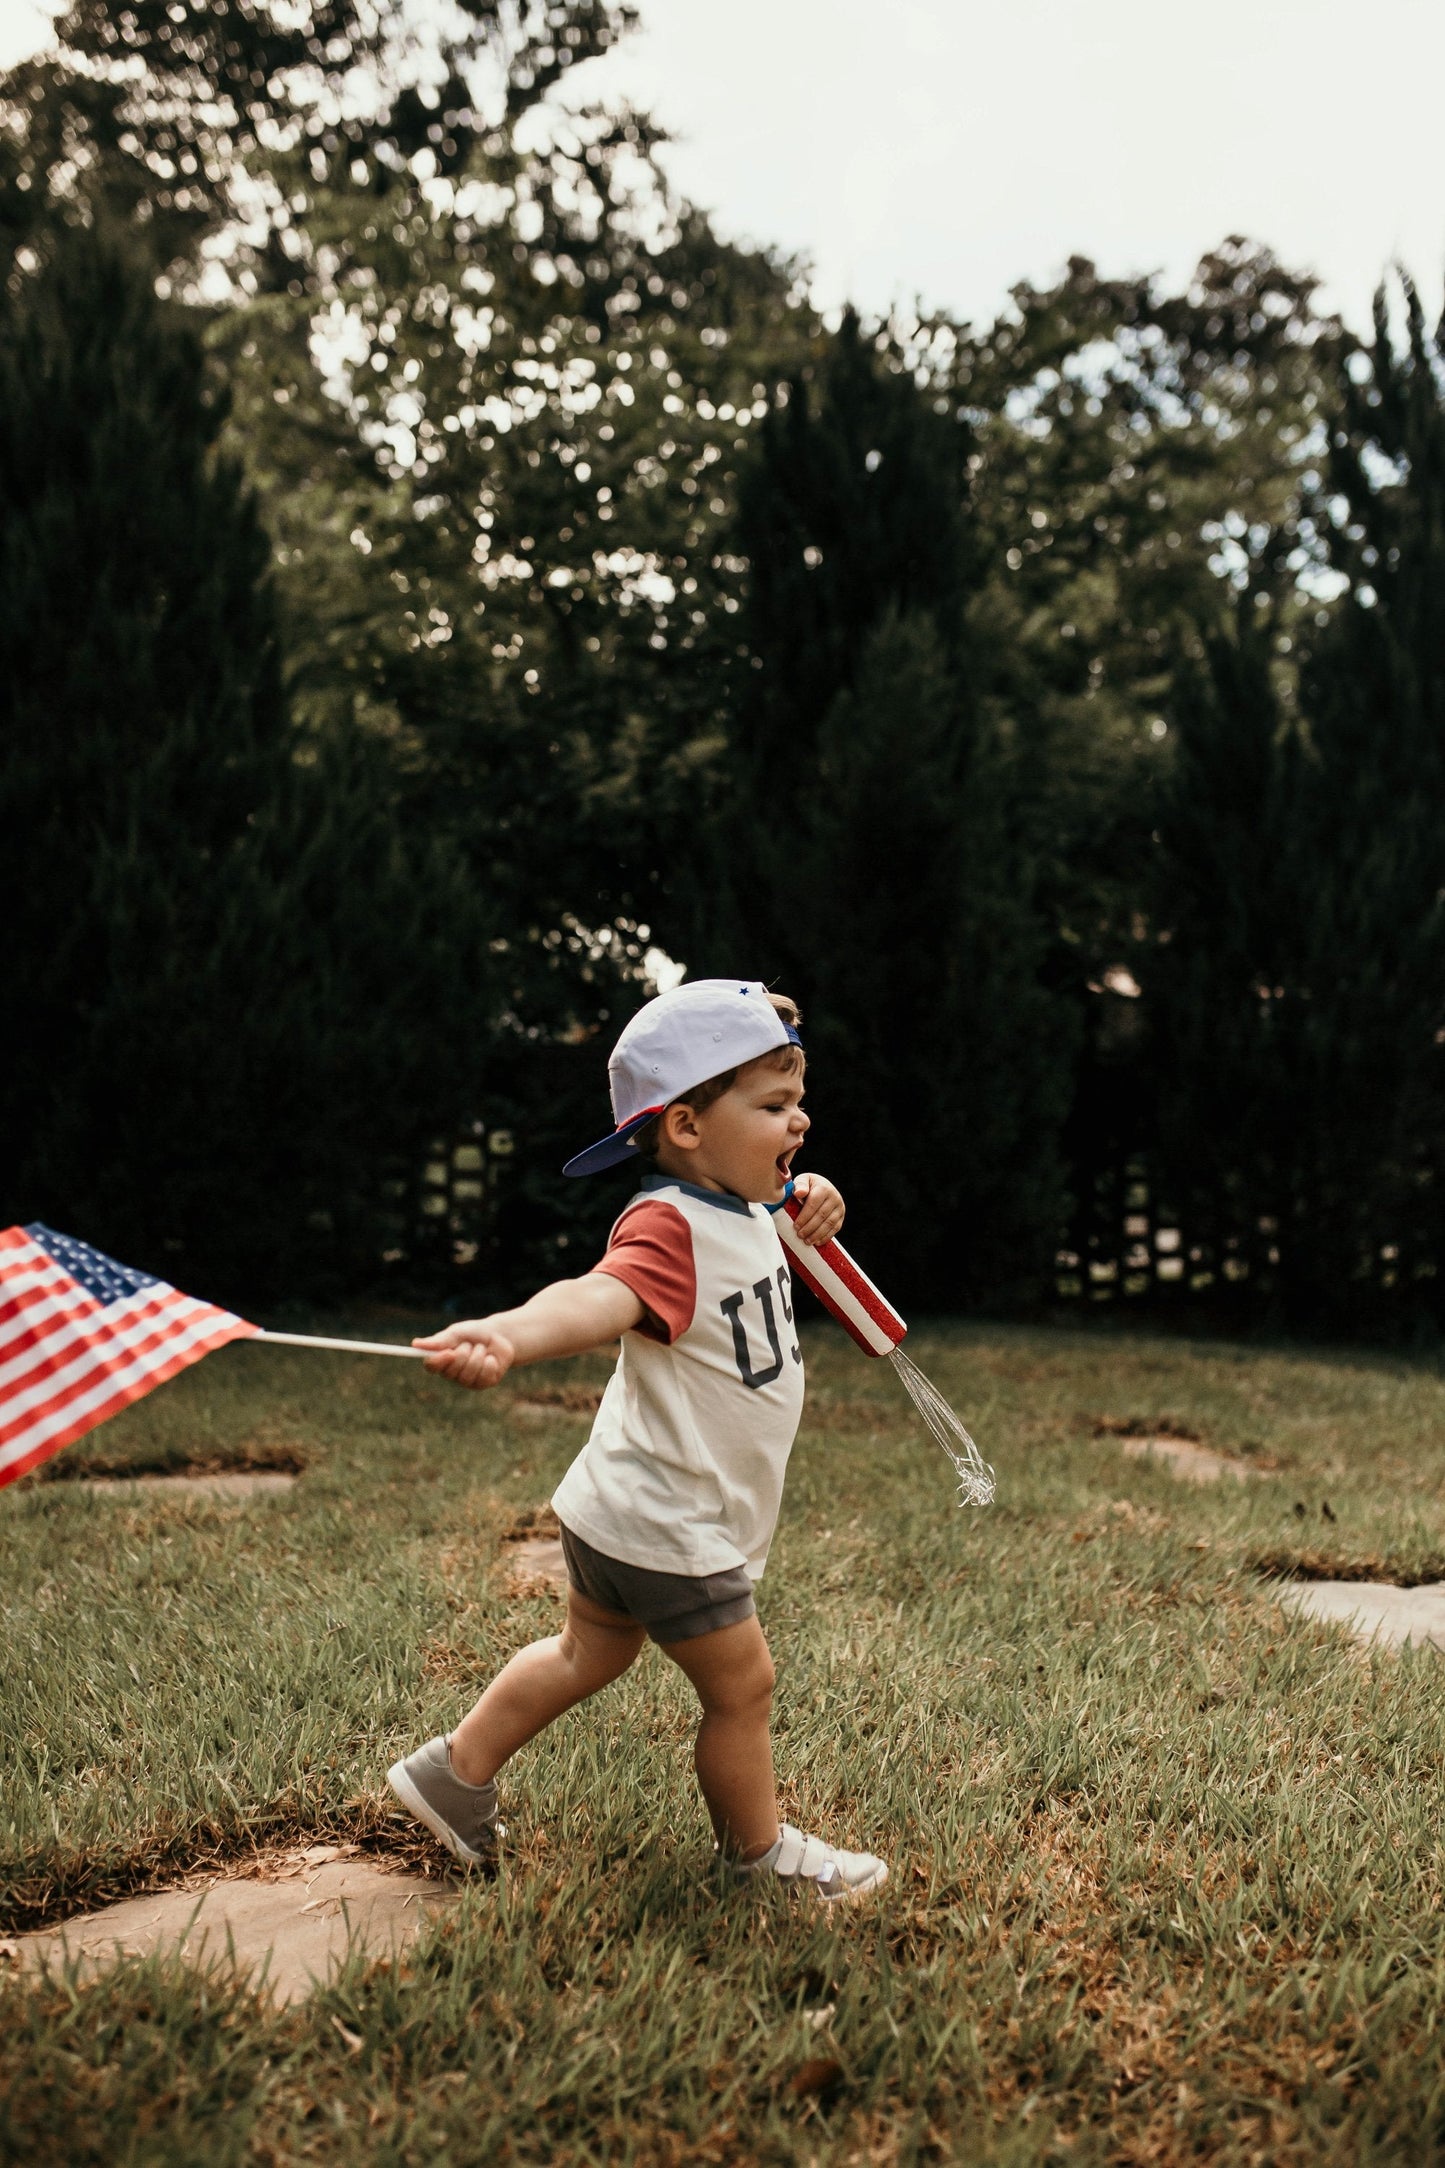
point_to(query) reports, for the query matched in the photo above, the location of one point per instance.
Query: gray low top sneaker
(464, 1816)
(835, 1876)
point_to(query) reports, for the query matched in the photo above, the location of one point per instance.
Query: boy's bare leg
(733, 1674)
(593, 1648)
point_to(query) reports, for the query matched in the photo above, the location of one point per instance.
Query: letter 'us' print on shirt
(732, 1310)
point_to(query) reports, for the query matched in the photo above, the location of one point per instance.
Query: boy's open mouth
(785, 1163)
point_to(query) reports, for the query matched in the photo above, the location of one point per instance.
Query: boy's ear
(679, 1126)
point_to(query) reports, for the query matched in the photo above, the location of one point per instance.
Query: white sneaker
(836, 1877)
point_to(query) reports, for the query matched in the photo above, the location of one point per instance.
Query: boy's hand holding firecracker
(822, 1213)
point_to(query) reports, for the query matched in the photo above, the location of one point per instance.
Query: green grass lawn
(1166, 1869)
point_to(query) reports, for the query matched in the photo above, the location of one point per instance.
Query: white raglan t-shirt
(683, 1471)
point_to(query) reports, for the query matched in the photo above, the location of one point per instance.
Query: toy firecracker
(870, 1319)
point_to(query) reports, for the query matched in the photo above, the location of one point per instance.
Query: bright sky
(946, 148)
(22, 27)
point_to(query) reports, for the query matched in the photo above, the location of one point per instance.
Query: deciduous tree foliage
(1140, 454)
(198, 118)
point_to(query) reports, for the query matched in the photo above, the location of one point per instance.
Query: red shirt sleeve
(650, 1251)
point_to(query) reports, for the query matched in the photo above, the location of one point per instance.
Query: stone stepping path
(1175, 1448)
(1375, 1612)
(1192, 1463)
(294, 1922)
(237, 1483)
(537, 1558)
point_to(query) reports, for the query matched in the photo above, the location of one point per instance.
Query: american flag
(81, 1337)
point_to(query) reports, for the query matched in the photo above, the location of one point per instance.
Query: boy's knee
(598, 1651)
(747, 1690)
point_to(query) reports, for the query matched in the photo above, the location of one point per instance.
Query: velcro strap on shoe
(817, 1858)
(792, 1850)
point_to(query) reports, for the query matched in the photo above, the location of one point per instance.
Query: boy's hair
(788, 1058)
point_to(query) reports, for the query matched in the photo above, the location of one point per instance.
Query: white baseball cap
(675, 1043)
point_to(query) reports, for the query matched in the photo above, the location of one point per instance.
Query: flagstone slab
(538, 1558)
(294, 1923)
(235, 1483)
(1183, 1458)
(1375, 1612)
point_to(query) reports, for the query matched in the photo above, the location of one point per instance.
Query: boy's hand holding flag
(82, 1336)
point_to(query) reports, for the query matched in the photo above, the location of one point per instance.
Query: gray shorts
(672, 1606)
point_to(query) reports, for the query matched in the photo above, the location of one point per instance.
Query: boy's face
(745, 1141)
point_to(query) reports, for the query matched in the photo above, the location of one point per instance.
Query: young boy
(668, 1512)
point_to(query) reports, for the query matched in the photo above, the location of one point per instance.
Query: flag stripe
(31, 1287)
(119, 1384)
(58, 1377)
(82, 1337)
(43, 1325)
(41, 1440)
(46, 1314)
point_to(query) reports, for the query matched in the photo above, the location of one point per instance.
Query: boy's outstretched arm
(567, 1318)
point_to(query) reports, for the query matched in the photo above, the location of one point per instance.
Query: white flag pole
(346, 1347)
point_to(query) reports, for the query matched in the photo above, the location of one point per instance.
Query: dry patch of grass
(558, 1400)
(1144, 1426)
(249, 1456)
(530, 1523)
(1288, 1563)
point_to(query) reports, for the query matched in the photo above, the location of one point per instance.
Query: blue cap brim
(610, 1151)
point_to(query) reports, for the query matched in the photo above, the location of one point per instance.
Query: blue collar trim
(724, 1200)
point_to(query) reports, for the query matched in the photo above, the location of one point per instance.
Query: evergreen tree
(1297, 1003)
(873, 838)
(498, 500)
(237, 1000)
(1142, 452)
(1222, 985)
(851, 510)
(934, 1076)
